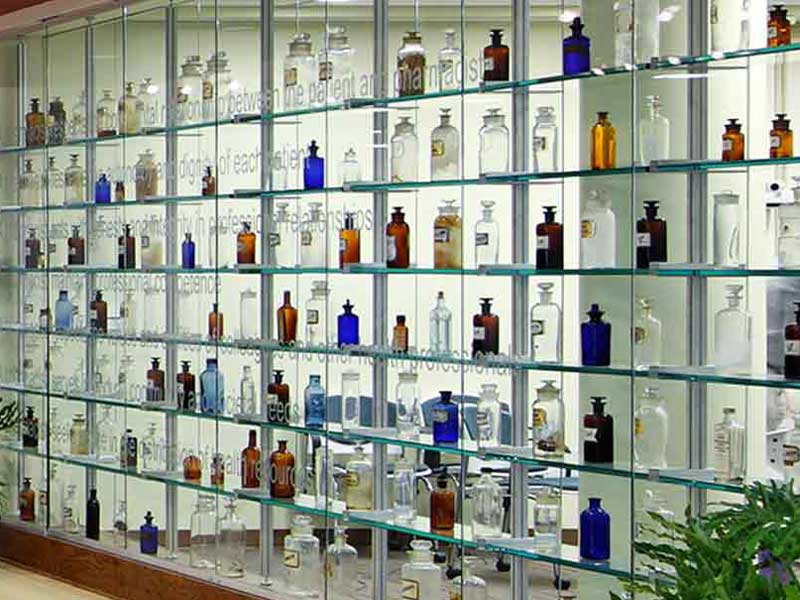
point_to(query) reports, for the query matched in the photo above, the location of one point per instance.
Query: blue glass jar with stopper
(576, 50)
(102, 190)
(596, 339)
(444, 415)
(347, 326)
(595, 532)
(148, 535)
(313, 168)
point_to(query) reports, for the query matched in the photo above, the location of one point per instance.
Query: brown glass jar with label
(398, 236)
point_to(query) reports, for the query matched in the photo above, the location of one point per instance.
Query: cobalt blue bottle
(347, 326)
(595, 532)
(576, 50)
(596, 339)
(102, 190)
(313, 169)
(212, 389)
(187, 252)
(315, 402)
(148, 535)
(445, 420)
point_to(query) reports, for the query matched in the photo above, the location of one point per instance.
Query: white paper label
(145, 241)
(479, 333)
(775, 141)
(792, 348)
(439, 416)
(588, 228)
(727, 145)
(642, 240)
(274, 240)
(590, 434)
(481, 239)
(342, 244)
(391, 248)
(537, 327)
(542, 242)
(772, 33)
(305, 238)
(409, 589)
(441, 235)
(313, 316)
(488, 63)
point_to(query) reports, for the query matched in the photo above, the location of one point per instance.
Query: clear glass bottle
(147, 101)
(494, 143)
(312, 237)
(30, 186)
(546, 326)
(341, 565)
(217, 84)
(326, 488)
(299, 73)
(301, 559)
(647, 337)
(120, 525)
(546, 153)
(653, 132)
(546, 519)
(129, 111)
(487, 416)
(79, 437)
(152, 450)
(146, 174)
(732, 333)
(189, 95)
(727, 229)
(247, 392)
(468, 586)
(447, 234)
(404, 492)
(203, 534)
(316, 315)
(337, 66)
(445, 149)
(420, 577)
(74, 186)
(70, 511)
(409, 408)
(106, 443)
(440, 326)
(232, 542)
(351, 400)
(729, 440)
(450, 62)
(358, 481)
(487, 506)
(598, 232)
(54, 178)
(248, 315)
(651, 430)
(411, 66)
(548, 421)
(283, 237)
(106, 115)
(76, 126)
(405, 152)
(349, 168)
(487, 236)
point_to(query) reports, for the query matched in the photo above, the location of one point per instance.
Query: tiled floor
(17, 583)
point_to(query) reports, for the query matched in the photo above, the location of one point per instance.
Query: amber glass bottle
(98, 314)
(126, 249)
(443, 507)
(27, 501)
(733, 141)
(604, 143)
(251, 463)
(246, 246)
(398, 238)
(287, 320)
(155, 381)
(187, 399)
(349, 242)
(281, 482)
(192, 468)
(33, 250)
(495, 58)
(485, 330)
(781, 138)
(217, 477)
(278, 404)
(76, 248)
(216, 323)
(35, 127)
(119, 191)
(779, 29)
(411, 66)
(549, 241)
(651, 237)
(209, 183)
(447, 232)
(400, 335)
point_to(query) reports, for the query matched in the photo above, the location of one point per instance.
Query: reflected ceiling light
(568, 16)
(717, 54)
(667, 14)
(152, 89)
(598, 71)
(629, 67)
(674, 60)
(235, 85)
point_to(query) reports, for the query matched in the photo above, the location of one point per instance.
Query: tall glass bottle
(341, 562)
(76, 247)
(315, 402)
(129, 113)
(444, 415)
(313, 169)
(651, 237)
(449, 62)
(598, 232)
(148, 535)
(595, 532)
(282, 475)
(487, 416)
(30, 186)
(56, 122)
(27, 501)
(733, 333)
(647, 338)
(443, 513)
(440, 326)
(729, 440)
(126, 249)
(98, 314)
(93, 516)
(54, 178)
(203, 533)
(781, 138)
(105, 446)
(404, 488)
(358, 481)
(152, 449)
(405, 152)
(420, 577)
(337, 66)
(247, 392)
(598, 434)
(603, 143)
(596, 339)
(76, 127)
(316, 315)
(576, 50)
(216, 323)
(312, 237)
(106, 115)
(733, 141)
(246, 245)
(212, 389)
(487, 506)
(155, 382)
(445, 149)
(653, 132)
(487, 235)
(251, 462)
(651, 431)
(35, 126)
(74, 186)
(120, 525)
(494, 143)
(545, 141)
(411, 66)
(63, 312)
(548, 421)
(496, 58)
(347, 327)
(351, 400)
(283, 238)
(185, 388)
(301, 558)
(299, 73)
(398, 241)
(409, 409)
(549, 241)
(278, 402)
(287, 320)
(485, 330)
(349, 241)
(33, 250)
(447, 233)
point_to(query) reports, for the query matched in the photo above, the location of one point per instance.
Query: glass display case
(287, 283)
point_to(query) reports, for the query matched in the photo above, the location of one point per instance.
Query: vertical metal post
(22, 91)
(519, 299)
(266, 36)
(380, 287)
(171, 362)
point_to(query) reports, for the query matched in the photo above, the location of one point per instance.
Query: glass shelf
(151, 201)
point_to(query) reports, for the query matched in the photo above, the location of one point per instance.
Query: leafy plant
(9, 419)
(745, 551)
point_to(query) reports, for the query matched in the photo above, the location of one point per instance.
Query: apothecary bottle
(341, 565)
(217, 87)
(337, 66)
(347, 333)
(398, 240)
(70, 512)
(548, 421)
(147, 104)
(248, 314)
(351, 400)
(494, 143)
(33, 250)
(409, 410)
(282, 476)
(576, 50)
(313, 237)
(420, 577)
(487, 506)
(488, 416)
(299, 73)
(445, 149)
(246, 245)
(212, 389)
(35, 126)
(779, 28)
(30, 186)
(76, 247)
(598, 434)
(278, 403)
(444, 415)
(496, 58)
(216, 323)
(781, 138)
(189, 95)
(447, 234)
(468, 586)
(79, 436)
(192, 468)
(651, 430)
(485, 330)
(791, 351)
(598, 232)
(188, 252)
(440, 326)
(315, 402)
(102, 190)
(647, 339)
(30, 429)
(442, 506)
(185, 388)
(732, 141)
(27, 501)
(146, 173)
(349, 167)
(400, 335)
(326, 486)
(209, 184)
(155, 381)
(287, 320)
(358, 481)
(203, 533)
(148, 535)
(651, 237)
(596, 339)
(283, 238)
(729, 440)
(105, 442)
(349, 241)
(251, 462)
(653, 132)
(152, 449)
(404, 488)
(93, 516)
(106, 115)
(55, 180)
(98, 314)
(301, 559)
(545, 141)
(603, 143)
(56, 122)
(595, 532)
(733, 333)
(128, 450)
(76, 127)
(449, 62)
(128, 111)
(63, 312)
(411, 66)
(247, 392)
(549, 241)
(487, 236)
(313, 168)
(120, 525)
(74, 186)
(405, 152)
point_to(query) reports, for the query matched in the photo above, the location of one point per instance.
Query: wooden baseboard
(104, 572)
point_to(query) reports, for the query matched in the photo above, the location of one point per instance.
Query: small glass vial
(409, 408)
(487, 416)
(341, 565)
(653, 132)
(106, 115)
(545, 141)
(74, 185)
(447, 237)
(351, 400)
(420, 577)
(450, 62)
(358, 481)
(732, 141)
(299, 73)
(548, 421)
(781, 142)
(349, 168)
(494, 140)
(411, 66)
(312, 237)
(301, 559)
(603, 143)
(440, 326)
(487, 236)
(129, 112)
(729, 440)
(405, 152)
(445, 149)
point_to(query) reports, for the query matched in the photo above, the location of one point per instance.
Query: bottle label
(290, 76)
(391, 248)
(291, 559)
(351, 480)
(305, 238)
(181, 97)
(479, 333)
(325, 70)
(145, 241)
(409, 589)
(537, 327)
(775, 142)
(481, 238)
(588, 228)
(727, 145)
(772, 33)
(638, 427)
(542, 242)
(239, 246)
(439, 416)
(590, 434)
(437, 148)
(274, 240)
(539, 143)
(441, 235)
(51, 248)
(792, 348)
(313, 316)
(28, 250)
(93, 314)
(791, 455)
(208, 90)
(642, 240)
(73, 251)
(488, 63)
(539, 417)
(639, 335)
